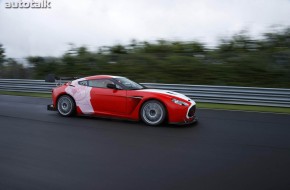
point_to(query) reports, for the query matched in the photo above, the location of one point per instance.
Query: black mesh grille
(191, 111)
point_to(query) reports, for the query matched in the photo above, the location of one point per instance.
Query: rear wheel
(153, 112)
(66, 106)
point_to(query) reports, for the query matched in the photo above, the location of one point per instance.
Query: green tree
(240, 60)
(2, 55)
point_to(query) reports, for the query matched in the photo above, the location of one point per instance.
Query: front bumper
(182, 115)
(186, 122)
(50, 107)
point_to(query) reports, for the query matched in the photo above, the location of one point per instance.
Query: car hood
(168, 92)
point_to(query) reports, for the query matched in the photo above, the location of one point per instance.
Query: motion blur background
(239, 43)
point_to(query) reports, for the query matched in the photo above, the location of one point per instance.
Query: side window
(83, 83)
(100, 83)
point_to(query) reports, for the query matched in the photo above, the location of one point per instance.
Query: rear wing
(59, 80)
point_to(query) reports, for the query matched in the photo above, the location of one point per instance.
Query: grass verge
(244, 107)
(199, 104)
(33, 94)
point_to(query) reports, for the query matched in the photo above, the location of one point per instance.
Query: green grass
(199, 104)
(243, 107)
(33, 94)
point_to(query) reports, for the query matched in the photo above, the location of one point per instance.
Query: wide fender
(135, 114)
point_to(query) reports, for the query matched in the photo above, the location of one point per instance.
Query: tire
(153, 112)
(66, 106)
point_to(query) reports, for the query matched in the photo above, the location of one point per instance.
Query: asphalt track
(225, 150)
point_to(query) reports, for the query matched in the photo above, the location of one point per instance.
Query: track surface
(225, 150)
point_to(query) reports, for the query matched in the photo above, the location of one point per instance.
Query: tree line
(239, 60)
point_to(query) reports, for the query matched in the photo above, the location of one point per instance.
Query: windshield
(129, 84)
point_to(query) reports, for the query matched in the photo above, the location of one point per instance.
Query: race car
(119, 97)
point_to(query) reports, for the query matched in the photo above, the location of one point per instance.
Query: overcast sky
(95, 23)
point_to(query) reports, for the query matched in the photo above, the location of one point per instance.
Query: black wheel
(153, 112)
(66, 106)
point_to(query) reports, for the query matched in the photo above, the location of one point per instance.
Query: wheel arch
(62, 94)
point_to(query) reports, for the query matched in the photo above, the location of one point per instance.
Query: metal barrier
(200, 93)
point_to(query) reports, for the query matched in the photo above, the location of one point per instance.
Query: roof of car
(100, 77)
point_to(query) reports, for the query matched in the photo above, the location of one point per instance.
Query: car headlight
(179, 102)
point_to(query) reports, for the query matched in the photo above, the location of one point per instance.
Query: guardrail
(201, 93)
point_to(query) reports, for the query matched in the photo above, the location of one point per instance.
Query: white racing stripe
(168, 92)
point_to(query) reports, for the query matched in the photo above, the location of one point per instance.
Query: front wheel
(66, 106)
(153, 112)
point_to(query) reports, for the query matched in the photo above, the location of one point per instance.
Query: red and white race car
(119, 97)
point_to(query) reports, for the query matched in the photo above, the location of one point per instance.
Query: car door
(105, 100)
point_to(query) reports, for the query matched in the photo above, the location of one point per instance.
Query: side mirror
(111, 86)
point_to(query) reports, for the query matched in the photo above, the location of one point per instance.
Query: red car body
(91, 96)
